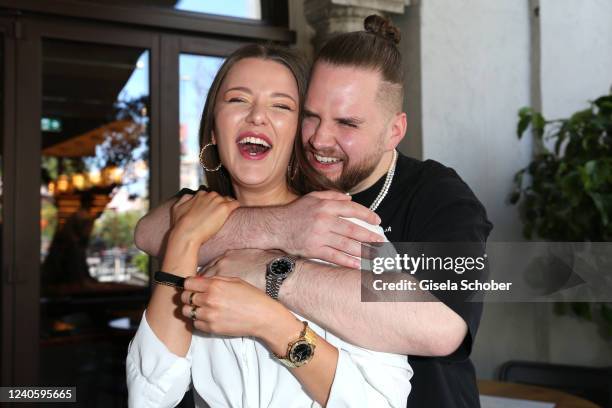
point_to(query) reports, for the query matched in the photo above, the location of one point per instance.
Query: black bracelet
(168, 279)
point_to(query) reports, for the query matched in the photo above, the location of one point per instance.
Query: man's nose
(257, 115)
(322, 138)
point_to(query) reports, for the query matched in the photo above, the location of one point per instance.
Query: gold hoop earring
(202, 158)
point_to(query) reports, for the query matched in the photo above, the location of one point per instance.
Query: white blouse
(240, 372)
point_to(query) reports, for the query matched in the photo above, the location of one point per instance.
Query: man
(353, 122)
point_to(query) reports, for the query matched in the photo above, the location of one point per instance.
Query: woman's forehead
(261, 74)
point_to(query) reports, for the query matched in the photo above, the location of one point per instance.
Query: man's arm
(331, 297)
(311, 227)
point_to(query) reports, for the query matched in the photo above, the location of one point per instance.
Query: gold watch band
(306, 336)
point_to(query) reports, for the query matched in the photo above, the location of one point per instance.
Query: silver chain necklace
(385, 188)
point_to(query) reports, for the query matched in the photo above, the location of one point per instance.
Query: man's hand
(246, 264)
(313, 227)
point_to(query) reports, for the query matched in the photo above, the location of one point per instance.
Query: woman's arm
(163, 316)
(181, 258)
(158, 362)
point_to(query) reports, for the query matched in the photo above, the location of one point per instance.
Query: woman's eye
(281, 106)
(236, 100)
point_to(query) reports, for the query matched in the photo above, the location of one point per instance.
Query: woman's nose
(257, 115)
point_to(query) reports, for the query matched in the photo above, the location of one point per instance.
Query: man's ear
(397, 130)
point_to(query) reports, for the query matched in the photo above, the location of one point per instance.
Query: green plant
(141, 261)
(565, 193)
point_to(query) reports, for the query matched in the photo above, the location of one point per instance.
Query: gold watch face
(301, 352)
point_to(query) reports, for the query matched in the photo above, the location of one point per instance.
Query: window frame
(272, 27)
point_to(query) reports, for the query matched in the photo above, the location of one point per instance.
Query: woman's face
(256, 119)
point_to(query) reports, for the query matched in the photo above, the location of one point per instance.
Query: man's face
(345, 126)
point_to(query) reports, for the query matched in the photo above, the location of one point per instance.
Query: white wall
(475, 76)
(576, 54)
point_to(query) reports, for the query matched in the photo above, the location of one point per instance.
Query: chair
(593, 384)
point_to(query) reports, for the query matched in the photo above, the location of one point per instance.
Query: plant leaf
(582, 309)
(604, 103)
(603, 202)
(537, 124)
(524, 120)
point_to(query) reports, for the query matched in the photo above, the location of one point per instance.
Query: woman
(250, 122)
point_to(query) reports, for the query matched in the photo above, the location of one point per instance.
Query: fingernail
(357, 263)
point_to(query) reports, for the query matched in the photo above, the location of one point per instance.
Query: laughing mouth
(326, 159)
(254, 145)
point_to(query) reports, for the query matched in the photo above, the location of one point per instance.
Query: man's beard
(352, 175)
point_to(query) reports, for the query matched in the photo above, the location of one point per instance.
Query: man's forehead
(342, 85)
(345, 75)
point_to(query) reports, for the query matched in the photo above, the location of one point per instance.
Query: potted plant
(565, 193)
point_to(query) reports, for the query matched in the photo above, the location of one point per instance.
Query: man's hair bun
(378, 25)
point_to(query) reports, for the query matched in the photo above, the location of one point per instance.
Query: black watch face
(280, 267)
(300, 352)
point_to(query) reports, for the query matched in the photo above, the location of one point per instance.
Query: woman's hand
(200, 216)
(232, 307)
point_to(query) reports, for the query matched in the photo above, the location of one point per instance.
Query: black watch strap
(169, 279)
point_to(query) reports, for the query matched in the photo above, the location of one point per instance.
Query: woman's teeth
(254, 146)
(255, 140)
(326, 160)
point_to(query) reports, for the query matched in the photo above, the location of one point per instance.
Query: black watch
(276, 272)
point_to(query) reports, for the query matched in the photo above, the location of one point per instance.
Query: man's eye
(349, 124)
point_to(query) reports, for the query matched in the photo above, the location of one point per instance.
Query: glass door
(86, 133)
(95, 128)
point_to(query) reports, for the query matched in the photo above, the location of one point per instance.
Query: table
(534, 393)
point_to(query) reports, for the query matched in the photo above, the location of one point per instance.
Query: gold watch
(301, 350)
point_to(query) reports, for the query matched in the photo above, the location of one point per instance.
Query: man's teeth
(254, 140)
(324, 159)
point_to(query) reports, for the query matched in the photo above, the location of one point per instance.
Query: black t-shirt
(428, 202)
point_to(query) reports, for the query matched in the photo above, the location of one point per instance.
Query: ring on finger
(193, 312)
(191, 298)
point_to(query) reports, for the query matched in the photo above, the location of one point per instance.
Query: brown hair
(301, 178)
(375, 49)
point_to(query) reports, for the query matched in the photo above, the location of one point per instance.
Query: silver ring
(193, 312)
(191, 298)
